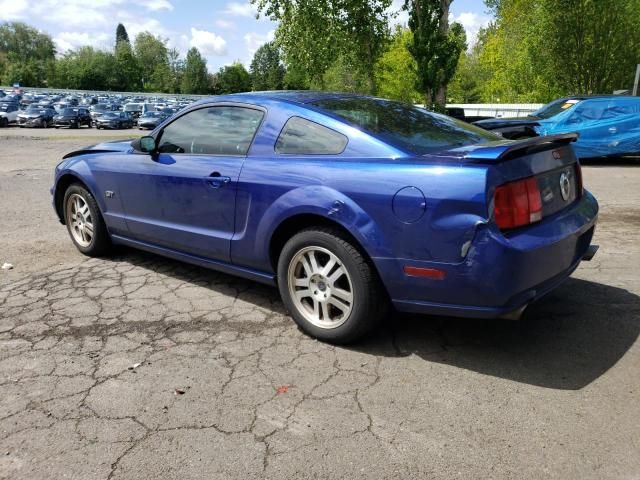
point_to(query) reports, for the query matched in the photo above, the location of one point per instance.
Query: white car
(8, 113)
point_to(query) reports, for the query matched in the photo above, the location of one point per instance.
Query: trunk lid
(549, 160)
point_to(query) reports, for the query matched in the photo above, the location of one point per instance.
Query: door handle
(215, 180)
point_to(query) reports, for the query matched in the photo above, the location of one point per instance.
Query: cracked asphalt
(139, 367)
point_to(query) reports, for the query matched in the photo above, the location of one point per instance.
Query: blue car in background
(347, 203)
(608, 125)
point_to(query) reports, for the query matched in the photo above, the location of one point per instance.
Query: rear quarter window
(304, 137)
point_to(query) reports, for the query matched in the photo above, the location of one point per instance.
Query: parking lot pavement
(135, 367)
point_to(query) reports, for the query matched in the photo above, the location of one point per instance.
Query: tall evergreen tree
(436, 47)
(195, 78)
(121, 35)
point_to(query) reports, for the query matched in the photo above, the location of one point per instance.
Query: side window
(212, 131)
(304, 137)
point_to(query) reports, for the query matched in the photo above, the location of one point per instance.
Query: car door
(184, 197)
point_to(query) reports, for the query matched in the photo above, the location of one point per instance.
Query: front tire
(84, 222)
(330, 289)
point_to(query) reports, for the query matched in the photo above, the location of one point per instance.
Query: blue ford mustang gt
(347, 203)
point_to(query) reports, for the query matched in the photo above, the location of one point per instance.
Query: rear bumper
(501, 273)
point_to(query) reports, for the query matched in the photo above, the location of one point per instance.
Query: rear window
(304, 137)
(405, 126)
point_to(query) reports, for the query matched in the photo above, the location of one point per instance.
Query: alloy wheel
(320, 287)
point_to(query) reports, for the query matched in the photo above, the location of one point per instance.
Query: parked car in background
(114, 120)
(342, 201)
(608, 125)
(35, 116)
(459, 114)
(151, 120)
(99, 109)
(134, 109)
(73, 118)
(8, 113)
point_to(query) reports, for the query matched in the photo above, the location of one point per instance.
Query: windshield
(68, 111)
(411, 128)
(554, 108)
(35, 109)
(100, 107)
(133, 108)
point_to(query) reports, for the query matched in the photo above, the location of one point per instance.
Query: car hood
(118, 146)
(32, 115)
(492, 123)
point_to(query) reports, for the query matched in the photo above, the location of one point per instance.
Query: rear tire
(330, 289)
(84, 222)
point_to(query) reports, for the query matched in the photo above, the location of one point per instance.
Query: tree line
(532, 51)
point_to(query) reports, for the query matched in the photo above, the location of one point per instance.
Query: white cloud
(255, 40)
(135, 25)
(156, 5)
(240, 9)
(66, 41)
(472, 23)
(225, 24)
(13, 9)
(208, 42)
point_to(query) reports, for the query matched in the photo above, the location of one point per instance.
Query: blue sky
(224, 31)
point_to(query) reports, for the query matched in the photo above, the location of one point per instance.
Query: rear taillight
(517, 203)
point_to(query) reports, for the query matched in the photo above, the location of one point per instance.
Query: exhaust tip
(590, 253)
(516, 314)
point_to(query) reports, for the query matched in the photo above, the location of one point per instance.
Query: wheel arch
(62, 184)
(301, 221)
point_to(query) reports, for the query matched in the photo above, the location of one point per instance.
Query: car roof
(593, 97)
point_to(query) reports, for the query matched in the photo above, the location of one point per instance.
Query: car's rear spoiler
(504, 151)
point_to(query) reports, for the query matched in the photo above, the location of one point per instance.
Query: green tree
(26, 55)
(121, 35)
(152, 56)
(595, 44)
(85, 68)
(465, 86)
(176, 70)
(313, 34)
(127, 75)
(343, 77)
(436, 47)
(396, 69)
(195, 78)
(510, 53)
(295, 78)
(233, 79)
(267, 72)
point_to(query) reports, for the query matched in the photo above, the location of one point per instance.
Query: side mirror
(146, 144)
